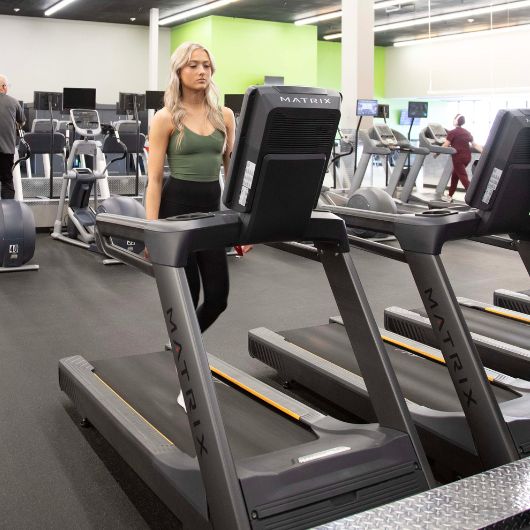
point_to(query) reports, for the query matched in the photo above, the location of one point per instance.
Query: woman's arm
(159, 134)
(476, 146)
(230, 123)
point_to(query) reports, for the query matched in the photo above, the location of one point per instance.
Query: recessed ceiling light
(465, 35)
(16, 9)
(132, 19)
(56, 7)
(195, 11)
(471, 20)
(454, 15)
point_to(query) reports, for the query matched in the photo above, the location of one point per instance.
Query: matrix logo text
(314, 101)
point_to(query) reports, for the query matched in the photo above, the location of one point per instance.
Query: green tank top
(198, 158)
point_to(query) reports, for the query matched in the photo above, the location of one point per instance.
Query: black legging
(6, 176)
(210, 266)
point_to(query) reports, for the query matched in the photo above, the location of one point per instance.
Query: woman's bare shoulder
(163, 120)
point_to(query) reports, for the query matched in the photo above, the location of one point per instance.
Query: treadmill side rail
(144, 448)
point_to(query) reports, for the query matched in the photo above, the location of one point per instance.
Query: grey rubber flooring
(55, 474)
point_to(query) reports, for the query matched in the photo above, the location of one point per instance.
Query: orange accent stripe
(134, 410)
(422, 353)
(507, 315)
(254, 393)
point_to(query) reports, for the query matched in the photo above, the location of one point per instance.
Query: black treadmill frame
(177, 239)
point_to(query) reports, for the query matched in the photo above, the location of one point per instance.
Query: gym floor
(55, 473)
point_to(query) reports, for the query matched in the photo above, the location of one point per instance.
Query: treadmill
(397, 142)
(432, 138)
(501, 197)
(502, 336)
(515, 300)
(220, 448)
(501, 332)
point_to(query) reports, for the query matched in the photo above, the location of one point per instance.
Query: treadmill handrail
(415, 232)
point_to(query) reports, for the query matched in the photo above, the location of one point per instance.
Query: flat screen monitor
(154, 99)
(404, 118)
(43, 100)
(367, 107)
(234, 102)
(273, 80)
(383, 111)
(418, 109)
(79, 98)
(127, 101)
(500, 184)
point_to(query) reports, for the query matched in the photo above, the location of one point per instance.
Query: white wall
(486, 64)
(49, 54)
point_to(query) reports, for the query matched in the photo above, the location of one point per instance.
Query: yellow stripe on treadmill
(507, 315)
(134, 410)
(254, 393)
(432, 357)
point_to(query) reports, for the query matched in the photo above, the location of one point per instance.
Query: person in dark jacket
(11, 116)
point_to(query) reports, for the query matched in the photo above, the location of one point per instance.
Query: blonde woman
(197, 135)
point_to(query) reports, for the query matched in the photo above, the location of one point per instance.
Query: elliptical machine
(79, 182)
(17, 227)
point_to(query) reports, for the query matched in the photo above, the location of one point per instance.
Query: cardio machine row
(241, 454)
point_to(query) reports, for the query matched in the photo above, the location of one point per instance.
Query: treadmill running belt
(149, 384)
(422, 381)
(494, 326)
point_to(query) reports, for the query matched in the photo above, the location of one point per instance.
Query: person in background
(197, 135)
(461, 140)
(11, 117)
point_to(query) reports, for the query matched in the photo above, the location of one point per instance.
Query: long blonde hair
(173, 95)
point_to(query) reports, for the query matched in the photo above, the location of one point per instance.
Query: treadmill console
(437, 133)
(86, 122)
(267, 158)
(500, 186)
(385, 135)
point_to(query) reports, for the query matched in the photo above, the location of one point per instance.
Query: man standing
(11, 115)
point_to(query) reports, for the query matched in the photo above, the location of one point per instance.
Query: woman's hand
(241, 250)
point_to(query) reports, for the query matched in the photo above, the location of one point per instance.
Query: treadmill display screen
(438, 133)
(154, 99)
(234, 102)
(417, 109)
(127, 101)
(86, 122)
(367, 107)
(45, 100)
(385, 134)
(79, 98)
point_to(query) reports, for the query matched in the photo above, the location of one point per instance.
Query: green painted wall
(379, 72)
(196, 31)
(247, 50)
(329, 64)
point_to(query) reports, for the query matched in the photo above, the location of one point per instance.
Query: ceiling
(120, 11)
